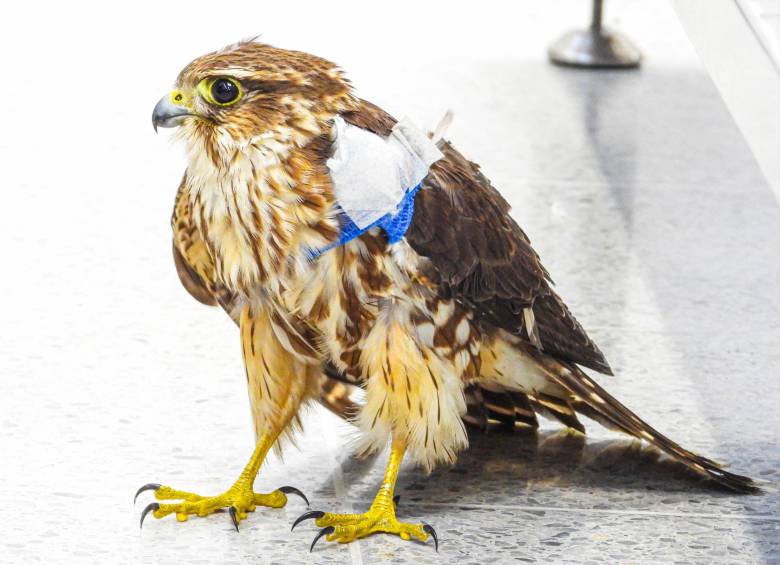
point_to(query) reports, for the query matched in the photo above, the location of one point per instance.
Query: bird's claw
(151, 507)
(293, 490)
(316, 514)
(234, 516)
(345, 528)
(147, 486)
(323, 532)
(428, 529)
(238, 501)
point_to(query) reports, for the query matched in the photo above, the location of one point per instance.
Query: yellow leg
(238, 499)
(380, 516)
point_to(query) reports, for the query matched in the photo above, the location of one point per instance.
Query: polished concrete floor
(644, 203)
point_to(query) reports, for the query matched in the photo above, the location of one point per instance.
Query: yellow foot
(345, 528)
(238, 499)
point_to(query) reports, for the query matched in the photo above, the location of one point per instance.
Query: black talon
(322, 532)
(150, 508)
(306, 515)
(148, 486)
(396, 499)
(293, 490)
(233, 516)
(428, 529)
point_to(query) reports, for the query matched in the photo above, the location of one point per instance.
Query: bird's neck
(260, 205)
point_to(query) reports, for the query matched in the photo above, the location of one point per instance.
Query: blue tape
(395, 224)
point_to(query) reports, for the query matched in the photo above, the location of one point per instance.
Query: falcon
(440, 310)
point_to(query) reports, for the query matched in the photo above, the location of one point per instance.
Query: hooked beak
(167, 114)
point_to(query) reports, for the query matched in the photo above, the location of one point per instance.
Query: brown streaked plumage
(484, 258)
(458, 321)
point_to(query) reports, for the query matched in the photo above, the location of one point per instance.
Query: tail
(593, 401)
(585, 396)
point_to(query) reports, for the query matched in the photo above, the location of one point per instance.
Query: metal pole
(598, 10)
(595, 47)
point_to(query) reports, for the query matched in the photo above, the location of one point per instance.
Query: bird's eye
(224, 91)
(220, 91)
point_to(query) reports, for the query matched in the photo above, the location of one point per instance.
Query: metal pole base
(595, 48)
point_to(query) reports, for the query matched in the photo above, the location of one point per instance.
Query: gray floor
(643, 201)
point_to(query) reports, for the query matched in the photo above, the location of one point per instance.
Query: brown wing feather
(191, 281)
(193, 263)
(482, 257)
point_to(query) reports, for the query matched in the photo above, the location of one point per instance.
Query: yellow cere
(179, 98)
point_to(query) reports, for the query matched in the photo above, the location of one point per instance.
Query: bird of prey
(453, 320)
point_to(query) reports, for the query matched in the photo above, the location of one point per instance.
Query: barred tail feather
(594, 401)
(557, 408)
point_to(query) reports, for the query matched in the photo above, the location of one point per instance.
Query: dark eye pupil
(224, 91)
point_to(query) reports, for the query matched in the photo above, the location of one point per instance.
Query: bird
(453, 322)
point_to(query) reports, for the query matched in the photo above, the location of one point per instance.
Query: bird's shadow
(520, 463)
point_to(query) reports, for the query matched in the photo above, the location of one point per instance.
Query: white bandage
(371, 174)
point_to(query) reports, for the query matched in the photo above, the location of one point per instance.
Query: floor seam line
(590, 510)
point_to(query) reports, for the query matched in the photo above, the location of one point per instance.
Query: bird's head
(251, 89)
